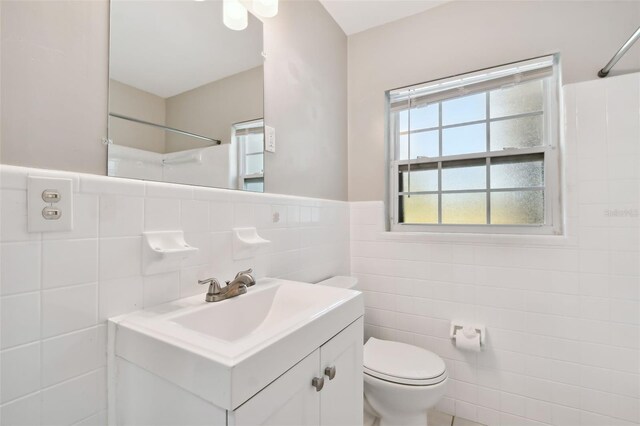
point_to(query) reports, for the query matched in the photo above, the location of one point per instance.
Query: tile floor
(437, 418)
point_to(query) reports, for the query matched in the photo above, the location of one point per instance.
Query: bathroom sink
(227, 351)
(257, 314)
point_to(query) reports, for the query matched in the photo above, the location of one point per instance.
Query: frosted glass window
(518, 99)
(422, 117)
(464, 139)
(464, 208)
(421, 180)
(254, 143)
(480, 149)
(517, 173)
(517, 208)
(464, 109)
(419, 208)
(467, 177)
(523, 132)
(423, 144)
(254, 164)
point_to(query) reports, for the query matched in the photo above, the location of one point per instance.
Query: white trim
(485, 238)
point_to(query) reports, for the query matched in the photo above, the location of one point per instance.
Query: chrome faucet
(236, 287)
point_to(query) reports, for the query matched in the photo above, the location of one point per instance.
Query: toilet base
(370, 416)
(401, 405)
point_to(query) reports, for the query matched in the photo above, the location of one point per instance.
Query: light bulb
(234, 15)
(266, 8)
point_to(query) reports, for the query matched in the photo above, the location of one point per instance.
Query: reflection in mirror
(249, 138)
(185, 95)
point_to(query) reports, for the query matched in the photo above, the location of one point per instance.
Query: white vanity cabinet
(250, 360)
(293, 400)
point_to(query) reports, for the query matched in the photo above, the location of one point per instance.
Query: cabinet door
(289, 400)
(341, 397)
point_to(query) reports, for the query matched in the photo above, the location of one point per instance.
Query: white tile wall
(562, 313)
(58, 289)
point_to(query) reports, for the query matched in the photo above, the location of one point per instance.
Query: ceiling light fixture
(266, 8)
(234, 15)
(235, 12)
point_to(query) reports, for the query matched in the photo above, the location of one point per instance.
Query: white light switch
(49, 204)
(269, 139)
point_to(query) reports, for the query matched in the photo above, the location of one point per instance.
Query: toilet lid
(401, 363)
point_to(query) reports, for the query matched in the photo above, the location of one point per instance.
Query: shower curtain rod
(605, 71)
(170, 129)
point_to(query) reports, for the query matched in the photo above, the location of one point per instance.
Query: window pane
(517, 208)
(253, 164)
(523, 132)
(254, 185)
(464, 208)
(423, 144)
(469, 176)
(464, 139)
(517, 173)
(421, 180)
(422, 117)
(523, 98)
(465, 109)
(419, 209)
(254, 143)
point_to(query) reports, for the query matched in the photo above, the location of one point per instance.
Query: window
(249, 137)
(477, 152)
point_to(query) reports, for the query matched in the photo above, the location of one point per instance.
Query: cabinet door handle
(318, 383)
(330, 372)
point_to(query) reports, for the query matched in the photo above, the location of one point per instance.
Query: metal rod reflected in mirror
(169, 129)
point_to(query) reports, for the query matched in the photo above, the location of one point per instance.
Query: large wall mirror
(185, 95)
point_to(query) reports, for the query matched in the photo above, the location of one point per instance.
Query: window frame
(552, 174)
(242, 129)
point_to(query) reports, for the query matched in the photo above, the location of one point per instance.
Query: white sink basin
(227, 351)
(259, 313)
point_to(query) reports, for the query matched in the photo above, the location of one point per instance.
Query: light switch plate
(269, 139)
(36, 186)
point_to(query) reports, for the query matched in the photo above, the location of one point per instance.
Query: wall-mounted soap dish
(246, 242)
(164, 251)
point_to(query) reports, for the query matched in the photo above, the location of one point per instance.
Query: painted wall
(306, 101)
(208, 110)
(58, 289)
(54, 84)
(54, 91)
(464, 36)
(132, 102)
(212, 109)
(562, 313)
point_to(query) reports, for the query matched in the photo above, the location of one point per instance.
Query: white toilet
(401, 382)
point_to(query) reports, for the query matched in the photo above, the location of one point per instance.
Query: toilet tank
(341, 282)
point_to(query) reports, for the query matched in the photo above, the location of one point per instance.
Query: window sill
(544, 240)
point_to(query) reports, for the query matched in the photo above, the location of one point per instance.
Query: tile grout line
(41, 332)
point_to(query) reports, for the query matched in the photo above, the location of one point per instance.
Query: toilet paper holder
(459, 325)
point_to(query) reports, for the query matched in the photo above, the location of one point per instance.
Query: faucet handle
(247, 272)
(214, 285)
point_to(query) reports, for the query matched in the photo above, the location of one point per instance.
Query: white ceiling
(354, 16)
(169, 47)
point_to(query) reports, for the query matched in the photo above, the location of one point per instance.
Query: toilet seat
(402, 363)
